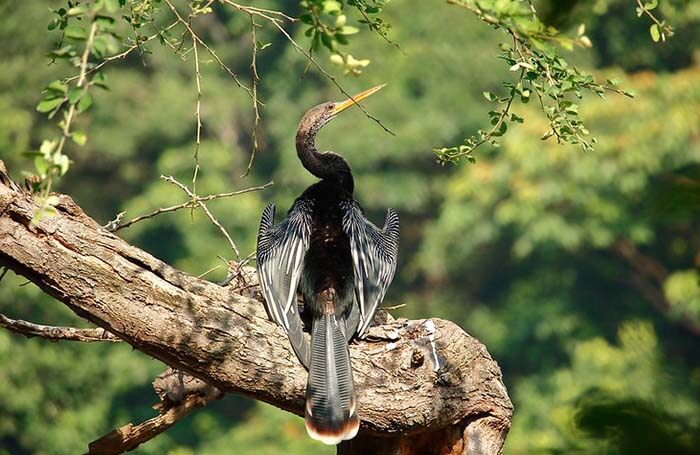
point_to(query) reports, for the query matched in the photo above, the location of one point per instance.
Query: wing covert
(374, 255)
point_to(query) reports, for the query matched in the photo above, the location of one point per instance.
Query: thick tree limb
(55, 333)
(428, 377)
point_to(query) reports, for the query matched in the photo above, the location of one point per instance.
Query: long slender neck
(327, 166)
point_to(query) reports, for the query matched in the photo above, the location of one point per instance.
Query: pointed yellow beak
(341, 106)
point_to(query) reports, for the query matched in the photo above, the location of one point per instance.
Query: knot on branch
(174, 386)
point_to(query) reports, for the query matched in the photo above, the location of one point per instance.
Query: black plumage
(342, 264)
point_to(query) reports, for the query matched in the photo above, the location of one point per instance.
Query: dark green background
(519, 248)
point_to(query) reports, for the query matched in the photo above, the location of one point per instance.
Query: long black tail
(331, 411)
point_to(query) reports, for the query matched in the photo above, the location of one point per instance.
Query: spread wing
(374, 255)
(280, 257)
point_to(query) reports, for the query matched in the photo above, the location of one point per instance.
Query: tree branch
(53, 333)
(427, 377)
(180, 395)
(648, 277)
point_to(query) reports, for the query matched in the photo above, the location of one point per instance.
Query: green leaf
(104, 22)
(48, 105)
(348, 30)
(327, 41)
(111, 5)
(316, 42)
(84, 103)
(104, 45)
(655, 32)
(41, 166)
(341, 39)
(53, 24)
(516, 118)
(64, 52)
(100, 80)
(57, 86)
(47, 147)
(48, 211)
(63, 164)
(489, 96)
(650, 5)
(52, 200)
(79, 137)
(501, 130)
(75, 94)
(75, 32)
(331, 7)
(77, 10)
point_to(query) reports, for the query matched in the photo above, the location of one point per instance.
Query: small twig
(154, 214)
(667, 30)
(318, 66)
(377, 31)
(211, 51)
(114, 224)
(232, 193)
(201, 204)
(393, 307)
(255, 78)
(197, 114)
(55, 333)
(238, 272)
(332, 78)
(68, 117)
(81, 81)
(202, 275)
(125, 53)
(130, 436)
(4, 272)
(532, 9)
(189, 204)
(262, 12)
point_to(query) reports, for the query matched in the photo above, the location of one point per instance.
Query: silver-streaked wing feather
(280, 258)
(374, 254)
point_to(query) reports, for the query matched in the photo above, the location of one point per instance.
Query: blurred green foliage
(522, 248)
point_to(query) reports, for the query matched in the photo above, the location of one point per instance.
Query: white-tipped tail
(331, 411)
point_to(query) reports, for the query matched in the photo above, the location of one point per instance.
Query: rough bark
(417, 381)
(53, 333)
(179, 394)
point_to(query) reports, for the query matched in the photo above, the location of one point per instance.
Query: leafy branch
(69, 99)
(659, 29)
(542, 72)
(328, 27)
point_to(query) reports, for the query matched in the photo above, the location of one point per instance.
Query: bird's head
(326, 165)
(316, 117)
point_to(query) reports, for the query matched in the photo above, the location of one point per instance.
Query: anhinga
(341, 263)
